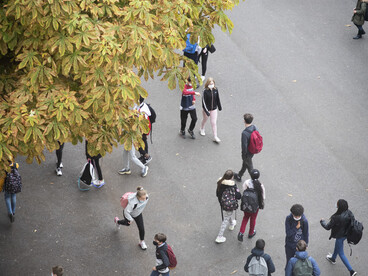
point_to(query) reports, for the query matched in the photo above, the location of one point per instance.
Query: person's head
(159, 239)
(57, 270)
(210, 83)
(260, 244)
(229, 174)
(297, 211)
(248, 118)
(301, 245)
(141, 99)
(141, 194)
(189, 80)
(254, 174)
(342, 206)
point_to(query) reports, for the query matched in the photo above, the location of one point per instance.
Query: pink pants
(213, 119)
(252, 217)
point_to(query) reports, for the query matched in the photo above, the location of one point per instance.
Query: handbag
(212, 49)
(86, 177)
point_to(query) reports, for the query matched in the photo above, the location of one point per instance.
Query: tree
(71, 69)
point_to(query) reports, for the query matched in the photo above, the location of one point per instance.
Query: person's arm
(244, 143)
(306, 230)
(289, 230)
(362, 9)
(237, 193)
(127, 211)
(164, 258)
(328, 225)
(247, 263)
(289, 269)
(316, 270)
(270, 266)
(218, 101)
(204, 104)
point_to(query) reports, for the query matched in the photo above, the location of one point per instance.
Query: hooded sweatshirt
(162, 258)
(294, 235)
(225, 184)
(258, 252)
(134, 207)
(301, 255)
(187, 98)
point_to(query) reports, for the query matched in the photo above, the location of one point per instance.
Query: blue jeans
(10, 200)
(156, 273)
(339, 250)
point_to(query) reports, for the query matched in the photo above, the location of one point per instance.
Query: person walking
(252, 186)
(143, 108)
(254, 258)
(187, 106)
(12, 186)
(190, 50)
(136, 204)
(297, 264)
(127, 154)
(358, 17)
(296, 228)
(162, 258)
(245, 139)
(95, 161)
(228, 195)
(339, 224)
(59, 156)
(210, 103)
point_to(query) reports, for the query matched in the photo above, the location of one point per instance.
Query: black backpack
(366, 13)
(355, 232)
(152, 118)
(13, 181)
(249, 201)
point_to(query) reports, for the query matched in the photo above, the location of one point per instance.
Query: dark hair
(189, 79)
(58, 270)
(141, 99)
(260, 244)
(248, 118)
(254, 174)
(227, 175)
(342, 206)
(297, 210)
(301, 245)
(160, 237)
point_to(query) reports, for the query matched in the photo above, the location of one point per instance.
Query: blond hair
(208, 81)
(141, 192)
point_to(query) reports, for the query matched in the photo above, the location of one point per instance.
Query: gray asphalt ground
(295, 66)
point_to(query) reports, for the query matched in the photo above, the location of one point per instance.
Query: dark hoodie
(245, 137)
(162, 258)
(258, 252)
(292, 236)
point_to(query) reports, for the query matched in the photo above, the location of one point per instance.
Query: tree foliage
(71, 69)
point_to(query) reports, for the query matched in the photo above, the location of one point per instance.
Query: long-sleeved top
(358, 16)
(245, 137)
(249, 184)
(134, 207)
(162, 258)
(211, 100)
(258, 252)
(338, 224)
(226, 184)
(293, 235)
(188, 98)
(301, 255)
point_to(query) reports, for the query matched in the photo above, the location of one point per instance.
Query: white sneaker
(61, 165)
(232, 225)
(58, 171)
(220, 239)
(202, 132)
(217, 140)
(143, 245)
(203, 78)
(145, 171)
(116, 222)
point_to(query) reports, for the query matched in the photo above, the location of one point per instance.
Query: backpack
(124, 200)
(172, 257)
(355, 232)
(257, 266)
(249, 201)
(13, 181)
(303, 268)
(228, 200)
(190, 48)
(152, 117)
(255, 142)
(366, 13)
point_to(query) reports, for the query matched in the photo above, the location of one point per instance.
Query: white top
(249, 184)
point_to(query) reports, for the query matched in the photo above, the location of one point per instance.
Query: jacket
(245, 137)
(211, 100)
(301, 255)
(225, 184)
(358, 17)
(258, 252)
(162, 259)
(187, 98)
(291, 238)
(338, 224)
(134, 207)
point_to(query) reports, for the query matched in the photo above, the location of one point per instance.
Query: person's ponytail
(258, 187)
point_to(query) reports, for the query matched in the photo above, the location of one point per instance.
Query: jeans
(252, 217)
(156, 273)
(360, 29)
(184, 117)
(339, 250)
(10, 201)
(247, 164)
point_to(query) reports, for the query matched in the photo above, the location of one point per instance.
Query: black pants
(204, 57)
(184, 117)
(193, 57)
(59, 154)
(138, 221)
(96, 164)
(145, 150)
(247, 164)
(289, 252)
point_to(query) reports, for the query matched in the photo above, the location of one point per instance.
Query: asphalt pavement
(296, 68)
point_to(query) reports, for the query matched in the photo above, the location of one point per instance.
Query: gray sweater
(130, 212)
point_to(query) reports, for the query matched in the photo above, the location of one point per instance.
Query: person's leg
(193, 115)
(96, 164)
(247, 164)
(204, 57)
(183, 119)
(339, 249)
(155, 273)
(204, 120)
(8, 204)
(213, 118)
(140, 225)
(126, 158)
(290, 252)
(144, 150)
(244, 222)
(252, 223)
(135, 159)
(59, 154)
(360, 31)
(225, 222)
(13, 199)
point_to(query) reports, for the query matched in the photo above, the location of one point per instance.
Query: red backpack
(255, 142)
(172, 257)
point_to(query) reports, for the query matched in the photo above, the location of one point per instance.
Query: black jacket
(245, 137)
(211, 100)
(226, 184)
(338, 224)
(161, 254)
(259, 252)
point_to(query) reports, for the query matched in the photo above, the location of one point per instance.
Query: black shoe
(362, 33)
(251, 236)
(11, 217)
(182, 133)
(147, 160)
(357, 36)
(353, 273)
(237, 177)
(240, 236)
(191, 133)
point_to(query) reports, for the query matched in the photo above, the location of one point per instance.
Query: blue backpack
(190, 48)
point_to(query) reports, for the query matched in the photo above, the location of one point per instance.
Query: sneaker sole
(122, 173)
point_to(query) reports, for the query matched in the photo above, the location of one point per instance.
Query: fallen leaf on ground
(235, 271)
(348, 25)
(290, 195)
(294, 80)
